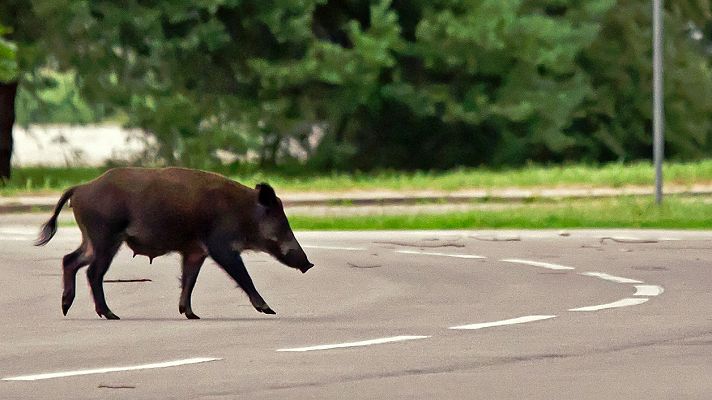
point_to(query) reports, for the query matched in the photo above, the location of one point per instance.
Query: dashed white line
(64, 374)
(311, 246)
(611, 278)
(354, 344)
(537, 264)
(648, 290)
(519, 320)
(430, 253)
(19, 231)
(616, 304)
(16, 238)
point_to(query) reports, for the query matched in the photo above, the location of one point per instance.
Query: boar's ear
(266, 195)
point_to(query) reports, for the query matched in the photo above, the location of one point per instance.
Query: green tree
(8, 57)
(52, 97)
(394, 83)
(188, 73)
(480, 81)
(618, 116)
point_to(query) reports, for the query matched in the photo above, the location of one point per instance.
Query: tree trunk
(8, 91)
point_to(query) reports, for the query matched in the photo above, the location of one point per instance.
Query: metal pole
(658, 103)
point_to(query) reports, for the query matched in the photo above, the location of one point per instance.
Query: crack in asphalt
(137, 280)
(421, 244)
(352, 265)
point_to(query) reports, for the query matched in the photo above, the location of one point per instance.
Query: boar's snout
(277, 236)
(306, 267)
(297, 259)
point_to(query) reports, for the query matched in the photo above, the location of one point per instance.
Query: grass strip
(608, 175)
(676, 213)
(40, 179)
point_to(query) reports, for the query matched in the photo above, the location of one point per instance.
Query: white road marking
(311, 246)
(64, 374)
(648, 290)
(611, 278)
(537, 264)
(20, 231)
(17, 238)
(520, 320)
(616, 304)
(355, 344)
(430, 253)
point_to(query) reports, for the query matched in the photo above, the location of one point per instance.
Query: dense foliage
(51, 97)
(391, 83)
(8, 58)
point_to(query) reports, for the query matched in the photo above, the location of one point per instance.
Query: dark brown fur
(157, 211)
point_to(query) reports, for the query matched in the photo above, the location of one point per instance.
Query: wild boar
(158, 211)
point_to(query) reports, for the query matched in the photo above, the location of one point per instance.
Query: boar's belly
(145, 249)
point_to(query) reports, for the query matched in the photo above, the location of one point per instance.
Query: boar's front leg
(230, 260)
(192, 261)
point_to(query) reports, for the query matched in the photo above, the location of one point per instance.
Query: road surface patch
(312, 246)
(431, 253)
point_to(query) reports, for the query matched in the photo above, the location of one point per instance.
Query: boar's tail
(50, 227)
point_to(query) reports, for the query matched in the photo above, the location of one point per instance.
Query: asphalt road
(372, 320)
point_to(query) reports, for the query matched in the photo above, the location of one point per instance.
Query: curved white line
(537, 264)
(648, 290)
(355, 344)
(616, 304)
(611, 278)
(520, 320)
(166, 364)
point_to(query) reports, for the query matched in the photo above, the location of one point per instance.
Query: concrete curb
(385, 197)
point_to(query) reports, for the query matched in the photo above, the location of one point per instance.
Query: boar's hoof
(108, 315)
(260, 305)
(305, 268)
(265, 309)
(188, 313)
(66, 304)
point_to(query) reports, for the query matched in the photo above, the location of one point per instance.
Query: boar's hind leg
(191, 267)
(70, 265)
(231, 262)
(103, 254)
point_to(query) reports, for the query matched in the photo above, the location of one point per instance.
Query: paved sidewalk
(389, 197)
